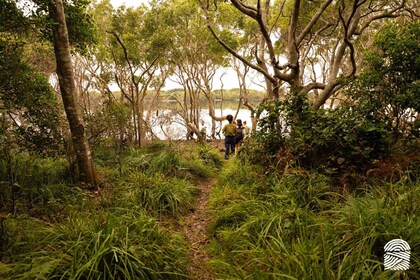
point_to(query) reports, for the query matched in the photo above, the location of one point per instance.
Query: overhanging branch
(313, 21)
(233, 52)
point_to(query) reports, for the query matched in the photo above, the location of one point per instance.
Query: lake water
(166, 124)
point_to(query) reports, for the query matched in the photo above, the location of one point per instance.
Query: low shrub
(337, 140)
(31, 170)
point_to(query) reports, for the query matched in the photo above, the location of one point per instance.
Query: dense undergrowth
(298, 226)
(52, 229)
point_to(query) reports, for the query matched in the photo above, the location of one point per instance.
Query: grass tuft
(116, 244)
(159, 194)
(179, 162)
(110, 234)
(296, 227)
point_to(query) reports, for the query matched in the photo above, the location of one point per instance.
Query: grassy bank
(263, 226)
(299, 227)
(52, 229)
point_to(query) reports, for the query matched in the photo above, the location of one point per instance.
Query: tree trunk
(192, 127)
(68, 93)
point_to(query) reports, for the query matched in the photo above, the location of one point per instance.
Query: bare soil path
(195, 230)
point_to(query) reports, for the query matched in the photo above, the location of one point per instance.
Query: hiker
(246, 130)
(229, 131)
(239, 135)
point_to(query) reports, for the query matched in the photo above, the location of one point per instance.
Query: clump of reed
(118, 243)
(159, 194)
(183, 162)
(297, 227)
(61, 231)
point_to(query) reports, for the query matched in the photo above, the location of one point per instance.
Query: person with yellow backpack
(229, 131)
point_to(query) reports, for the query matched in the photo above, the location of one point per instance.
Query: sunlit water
(166, 125)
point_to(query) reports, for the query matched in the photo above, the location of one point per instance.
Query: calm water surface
(166, 124)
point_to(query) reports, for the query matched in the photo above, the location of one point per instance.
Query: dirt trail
(195, 230)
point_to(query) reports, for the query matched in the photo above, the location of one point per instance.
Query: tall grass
(59, 231)
(40, 187)
(159, 194)
(115, 244)
(183, 162)
(162, 178)
(298, 228)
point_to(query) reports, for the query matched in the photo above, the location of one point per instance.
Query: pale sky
(128, 3)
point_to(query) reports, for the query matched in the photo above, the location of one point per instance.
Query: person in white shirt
(246, 129)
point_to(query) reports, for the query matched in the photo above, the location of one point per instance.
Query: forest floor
(195, 229)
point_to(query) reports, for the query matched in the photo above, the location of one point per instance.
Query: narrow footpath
(195, 231)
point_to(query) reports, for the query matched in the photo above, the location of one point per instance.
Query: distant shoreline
(204, 100)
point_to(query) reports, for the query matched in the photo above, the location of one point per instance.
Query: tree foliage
(389, 88)
(29, 102)
(79, 22)
(31, 112)
(295, 40)
(12, 18)
(384, 106)
(337, 141)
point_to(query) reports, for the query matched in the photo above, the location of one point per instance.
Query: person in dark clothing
(239, 135)
(229, 131)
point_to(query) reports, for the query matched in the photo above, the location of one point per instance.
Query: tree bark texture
(68, 93)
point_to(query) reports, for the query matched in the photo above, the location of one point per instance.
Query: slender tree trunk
(140, 121)
(68, 93)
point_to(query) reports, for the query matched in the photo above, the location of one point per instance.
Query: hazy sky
(128, 3)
